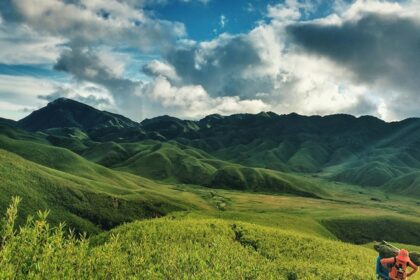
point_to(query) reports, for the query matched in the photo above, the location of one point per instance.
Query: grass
(216, 219)
(176, 163)
(86, 205)
(177, 249)
(224, 234)
(361, 231)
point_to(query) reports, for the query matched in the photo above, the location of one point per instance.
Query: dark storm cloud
(219, 66)
(85, 65)
(377, 48)
(363, 106)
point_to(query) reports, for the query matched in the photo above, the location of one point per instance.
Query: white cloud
(92, 30)
(23, 86)
(108, 22)
(223, 21)
(21, 92)
(290, 10)
(376, 42)
(21, 45)
(159, 68)
(283, 12)
(192, 101)
(362, 7)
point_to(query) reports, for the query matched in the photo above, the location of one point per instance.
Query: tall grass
(169, 248)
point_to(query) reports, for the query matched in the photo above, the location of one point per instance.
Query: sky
(192, 58)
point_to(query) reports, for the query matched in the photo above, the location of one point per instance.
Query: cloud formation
(380, 47)
(263, 66)
(360, 58)
(87, 22)
(84, 28)
(194, 101)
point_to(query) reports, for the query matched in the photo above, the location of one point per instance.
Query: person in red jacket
(399, 265)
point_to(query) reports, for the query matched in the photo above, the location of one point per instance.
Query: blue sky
(203, 21)
(190, 58)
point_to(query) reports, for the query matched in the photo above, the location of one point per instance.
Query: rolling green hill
(176, 163)
(86, 205)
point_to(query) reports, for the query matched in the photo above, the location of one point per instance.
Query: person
(399, 265)
(381, 271)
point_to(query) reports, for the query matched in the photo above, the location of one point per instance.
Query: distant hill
(65, 112)
(364, 151)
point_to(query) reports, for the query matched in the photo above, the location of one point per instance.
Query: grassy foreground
(172, 248)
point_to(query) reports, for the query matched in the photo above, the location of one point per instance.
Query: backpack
(398, 270)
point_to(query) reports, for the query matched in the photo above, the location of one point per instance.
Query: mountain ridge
(62, 103)
(339, 147)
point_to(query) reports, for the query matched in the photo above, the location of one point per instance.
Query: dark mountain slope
(7, 122)
(286, 142)
(65, 112)
(170, 127)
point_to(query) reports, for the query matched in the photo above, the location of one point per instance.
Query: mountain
(170, 127)
(65, 112)
(364, 151)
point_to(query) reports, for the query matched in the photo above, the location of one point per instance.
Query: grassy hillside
(86, 205)
(176, 163)
(176, 249)
(288, 237)
(361, 231)
(179, 247)
(61, 159)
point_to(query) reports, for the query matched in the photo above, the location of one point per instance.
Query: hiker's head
(403, 256)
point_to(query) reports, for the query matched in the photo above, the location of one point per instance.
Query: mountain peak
(65, 112)
(61, 99)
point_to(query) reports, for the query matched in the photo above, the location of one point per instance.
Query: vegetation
(361, 231)
(240, 197)
(175, 249)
